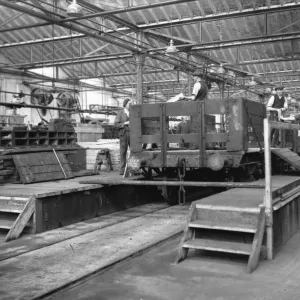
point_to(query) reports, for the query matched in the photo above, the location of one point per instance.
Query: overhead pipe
(73, 110)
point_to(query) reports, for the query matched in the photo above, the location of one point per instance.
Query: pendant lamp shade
(74, 10)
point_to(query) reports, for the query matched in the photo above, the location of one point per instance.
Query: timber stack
(8, 171)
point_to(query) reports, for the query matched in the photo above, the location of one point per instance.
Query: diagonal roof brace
(68, 26)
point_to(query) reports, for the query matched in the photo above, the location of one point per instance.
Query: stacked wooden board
(8, 171)
(92, 149)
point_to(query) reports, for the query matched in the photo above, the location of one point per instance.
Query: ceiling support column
(190, 79)
(140, 59)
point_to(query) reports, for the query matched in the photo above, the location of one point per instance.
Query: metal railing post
(268, 189)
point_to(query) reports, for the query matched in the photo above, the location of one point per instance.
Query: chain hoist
(181, 175)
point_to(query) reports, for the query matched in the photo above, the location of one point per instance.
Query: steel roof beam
(113, 18)
(69, 61)
(43, 40)
(224, 15)
(204, 18)
(194, 46)
(73, 27)
(239, 42)
(109, 75)
(126, 10)
(264, 61)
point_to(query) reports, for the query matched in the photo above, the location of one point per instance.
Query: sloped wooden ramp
(16, 214)
(288, 156)
(42, 166)
(224, 229)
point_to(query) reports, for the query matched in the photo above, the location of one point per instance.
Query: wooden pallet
(288, 156)
(224, 229)
(15, 213)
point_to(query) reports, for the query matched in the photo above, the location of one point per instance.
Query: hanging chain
(181, 175)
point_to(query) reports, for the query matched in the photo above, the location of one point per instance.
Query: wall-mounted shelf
(19, 138)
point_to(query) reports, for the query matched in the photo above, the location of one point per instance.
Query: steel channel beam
(68, 26)
(128, 9)
(175, 183)
(234, 43)
(71, 61)
(224, 15)
(112, 18)
(42, 41)
(194, 19)
(263, 61)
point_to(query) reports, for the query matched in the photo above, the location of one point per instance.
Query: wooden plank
(181, 108)
(22, 220)
(257, 241)
(218, 246)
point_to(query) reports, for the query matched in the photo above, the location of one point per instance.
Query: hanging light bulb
(171, 48)
(74, 10)
(221, 70)
(231, 74)
(252, 82)
(268, 91)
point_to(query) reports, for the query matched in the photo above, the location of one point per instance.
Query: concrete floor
(152, 276)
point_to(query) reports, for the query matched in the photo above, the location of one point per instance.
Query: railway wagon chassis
(229, 150)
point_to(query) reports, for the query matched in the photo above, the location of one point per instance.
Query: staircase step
(18, 201)
(10, 208)
(2, 197)
(7, 223)
(7, 220)
(227, 214)
(219, 246)
(251, 228)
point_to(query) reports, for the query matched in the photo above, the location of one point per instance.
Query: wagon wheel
(63, 99)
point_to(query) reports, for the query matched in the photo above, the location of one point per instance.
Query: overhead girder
(70, 61)
(43, 40)
(134, 49)
(113, 18)
(108, 75)
(166, 60)
(206, 46)
(188, 20)
(73, 27)
(235, 43)
(263, 61)
(128, 9)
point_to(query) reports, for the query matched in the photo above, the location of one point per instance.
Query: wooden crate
(92, 149)
(88, 132)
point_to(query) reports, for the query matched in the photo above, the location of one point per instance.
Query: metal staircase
(224, 229)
